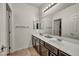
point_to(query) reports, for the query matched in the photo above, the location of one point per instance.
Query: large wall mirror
(66, 28)
(36, 25)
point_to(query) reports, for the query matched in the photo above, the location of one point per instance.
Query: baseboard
(15, 50)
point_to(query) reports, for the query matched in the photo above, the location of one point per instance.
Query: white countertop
(67, 45)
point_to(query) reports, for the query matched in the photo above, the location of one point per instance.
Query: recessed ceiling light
(52, 3)
(49, 5)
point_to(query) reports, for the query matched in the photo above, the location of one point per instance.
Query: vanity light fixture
(49, 6)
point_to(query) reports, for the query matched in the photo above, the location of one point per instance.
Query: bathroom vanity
(52, 47)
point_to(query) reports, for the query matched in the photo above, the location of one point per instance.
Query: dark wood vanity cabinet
(45, 49)
(52, 49)
(38, 44)
(61, 53)
(51, 54)
(35, 43)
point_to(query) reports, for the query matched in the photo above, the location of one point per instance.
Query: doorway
(57, 27)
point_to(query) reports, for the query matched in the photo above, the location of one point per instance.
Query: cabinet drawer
(42, 42)
(61, 53)
(51, 48)
(33, 37)
(52, 54)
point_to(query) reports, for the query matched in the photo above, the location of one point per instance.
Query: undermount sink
(48, 36)
(59, 39)
(56, 39)
(53, 38)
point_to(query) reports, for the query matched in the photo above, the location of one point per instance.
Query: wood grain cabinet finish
(45, 49)
(51, 54)
(42, 42)
(33, 41)
(51, 48)
(61, 53)
(37, 45)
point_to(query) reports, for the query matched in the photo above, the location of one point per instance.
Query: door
(57, 27)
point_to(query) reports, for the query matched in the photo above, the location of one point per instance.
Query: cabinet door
(37, 44)
(51, 54)
(43, 51)
(63, 53)
(33, 41)
(51, 48)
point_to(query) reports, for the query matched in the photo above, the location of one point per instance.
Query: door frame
(8, 9)
(60, 28)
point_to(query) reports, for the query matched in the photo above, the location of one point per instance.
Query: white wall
(69, 17)
(1, 17)
(23, 15)
(3, 27)
(46, 25)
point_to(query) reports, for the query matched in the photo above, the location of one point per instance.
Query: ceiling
(38, 4)
(57, 8)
